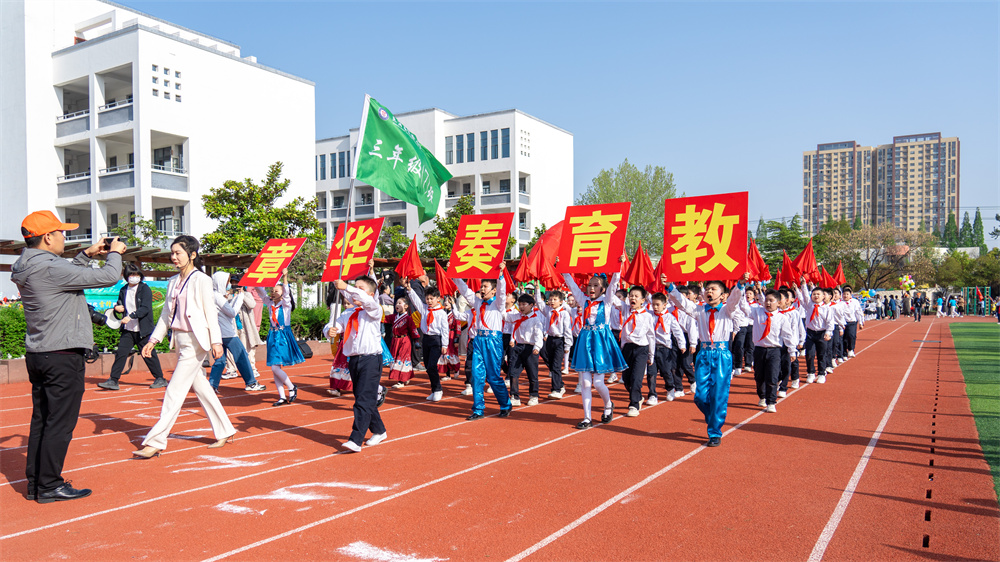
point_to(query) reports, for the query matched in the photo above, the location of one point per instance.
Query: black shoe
(505, 413)
(110, 384)
(293, 394)
(159, 383)
(714, 442)
(382, 391)
(585, 424)
(606, 418)
(62, 493)
(281, 402)
(474, 417)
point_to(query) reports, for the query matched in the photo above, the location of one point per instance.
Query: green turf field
(978, 347)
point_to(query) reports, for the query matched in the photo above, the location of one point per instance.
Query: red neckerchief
(274, 313)
(518, 322)
(554, 319)
(430, 315)
(767, 326)
(586, 310)
(660, 322)
(631, 318)
(352, 323)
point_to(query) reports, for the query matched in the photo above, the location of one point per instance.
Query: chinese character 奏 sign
(480, 245)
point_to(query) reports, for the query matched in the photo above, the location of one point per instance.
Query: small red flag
(409, 266)
(805, 262)
(522, 273)
(445, 285)
(789, 276)
(839, 276)
(641, 270)
(546, 271)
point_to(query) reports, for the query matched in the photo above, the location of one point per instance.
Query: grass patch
(978, 348)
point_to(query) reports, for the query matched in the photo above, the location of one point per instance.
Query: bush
(307, 323)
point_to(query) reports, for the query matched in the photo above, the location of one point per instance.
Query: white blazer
(202, 313)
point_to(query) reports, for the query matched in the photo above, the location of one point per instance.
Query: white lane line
(619, 497)
(845, 499)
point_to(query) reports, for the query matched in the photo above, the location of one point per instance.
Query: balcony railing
(321, 213)
(169, 168)
(78, 238)
(74, 115)
(70, 177)
(114, 169)
(114, 104)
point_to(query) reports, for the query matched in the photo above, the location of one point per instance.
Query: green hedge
(307, 323)
(13, 328)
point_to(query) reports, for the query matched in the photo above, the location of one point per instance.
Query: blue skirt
(596, 351)
(282, 349)
(386, 354)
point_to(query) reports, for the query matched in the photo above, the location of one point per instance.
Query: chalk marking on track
(635, 487)
(293, 494)
(819, 549)
(365, 551)
(213, 462)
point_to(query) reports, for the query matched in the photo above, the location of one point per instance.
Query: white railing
(75, 176)
(169, 168)
(114, 104)
(114, 169)
(74, 115)
(78, 238)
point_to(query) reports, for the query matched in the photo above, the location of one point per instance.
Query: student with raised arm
(435, 329)
(819, 330)
(525, 343)
(773, 333)
(487, 347)
(557, 324)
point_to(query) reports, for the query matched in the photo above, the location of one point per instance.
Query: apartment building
(912, 183)
(509, 161)
(110, 113)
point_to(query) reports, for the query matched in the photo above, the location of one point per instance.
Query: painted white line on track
(845, 499)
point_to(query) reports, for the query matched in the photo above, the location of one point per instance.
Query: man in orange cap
(58, 333)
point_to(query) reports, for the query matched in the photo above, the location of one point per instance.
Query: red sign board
(265, 271)
(705, 238)
(480, 246)
(593, 238)
(361, 240)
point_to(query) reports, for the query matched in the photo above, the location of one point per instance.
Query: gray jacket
(55, 308)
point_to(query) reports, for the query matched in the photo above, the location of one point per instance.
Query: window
(333, 165)
(486, 188)
(482, 146)
(156, 80)
(166, 83)
(177, 86)
(316, 168)
(166, 95)
(494, 149)
(466, 189)
(322, 166)
(451, 190)
(155, 68)
(348, 162)
(166, 71)
(113, 162)
(177, 74)
(460, 149)
(504, 186)
(522, 220)
(177, 97)
(448, 157)
(505, 142)
(522, 185)
(342, 163)
(156, 92)
(338, 202)
(470, 139)
(113, 221)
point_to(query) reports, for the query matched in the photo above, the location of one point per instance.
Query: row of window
(166, 83)
(166, 95)
(339, 162)
(522, 187)
(492, 145)
(166, 71)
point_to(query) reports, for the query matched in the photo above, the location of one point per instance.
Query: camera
(97, 317)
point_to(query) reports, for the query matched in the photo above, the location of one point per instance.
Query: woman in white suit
(191, 314)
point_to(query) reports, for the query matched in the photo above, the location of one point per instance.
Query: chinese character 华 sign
(705, 238)
(593, 238)
(480, 246)
(362, 236)
(265, 271)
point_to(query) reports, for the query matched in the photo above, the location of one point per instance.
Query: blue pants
(712, 370)
(487, 349)
(235, 346)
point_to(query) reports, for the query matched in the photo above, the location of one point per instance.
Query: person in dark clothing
(135, 310)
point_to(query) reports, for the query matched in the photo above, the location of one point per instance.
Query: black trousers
(552, 353)
(685, 366)
(505, 361)
(365, 370)
(739, 347)
(416, 352)
(56, 392)
(838, 344)
(432, 352)
(523, 358)
(815, 352)
(128, 341)
(789, 369)
(850, 336)
(665, 365)
(748, 347)
(636, 361)
(767, 372)
(468, 362)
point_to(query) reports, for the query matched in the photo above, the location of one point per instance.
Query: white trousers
(188, 375)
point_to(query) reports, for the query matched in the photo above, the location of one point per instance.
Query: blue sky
(726, 96)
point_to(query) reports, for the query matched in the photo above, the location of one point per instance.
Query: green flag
(391, 159)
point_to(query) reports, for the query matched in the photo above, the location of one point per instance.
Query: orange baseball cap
(44, 222)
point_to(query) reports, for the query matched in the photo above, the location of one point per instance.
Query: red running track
(841, 472)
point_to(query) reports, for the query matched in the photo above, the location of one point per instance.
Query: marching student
(819, 330)
(190, 314)
(558, 328)
(772, 332)
(402, 329)
(638, 347)
(227, 310)
(435, 330)
(510, 304)
(670, 341)
(282, 348)
(595, 352)
(854, 318)
(839, 355)
(714, 362)
(467, 317)
(576, 318)
(449, 363)
(788, 307)
(748, 344)
(340, 375)
(487, 347)
(248, 325)
(363, 345)
(622, 309)
(526, 342)
(685, 360)
(743, 326)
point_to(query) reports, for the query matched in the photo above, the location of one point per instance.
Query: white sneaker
(771, 409)
(507, 384)
(352, 446)
(436, 396)
(376, 439)
(811, 378)
(613, 378)
(747, 369)
(833, 363)
(632, 412)
(782, 394)
(762, 403)
(829, 369)
(794, 383)
(467, 391)
(678, 393)
(255, 387)
(736, 373)
(652, 401)
(230, 375)
(533, 401)
(399, 385)
(694, 386)
(557, 394)
(565, 371)
(850, 354)
(821, 379)
(515, 401)
(670, 395)
(489, 389)
(333, 392)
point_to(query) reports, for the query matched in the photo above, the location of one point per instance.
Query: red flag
(550, 241)
(756, 261)
(409, 266)
(839, 276)
(979, 294)
(823, 279)
(523, 274)
(445, 285)
(641, 270)
(546, 271)
(509, 280)
(623, 272)
(474, 284)
(805, 262)
(658, 286)
(789, 276)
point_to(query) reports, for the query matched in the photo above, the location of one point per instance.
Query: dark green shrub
(12, 331)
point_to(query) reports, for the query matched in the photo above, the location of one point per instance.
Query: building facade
(508, 161)
(110, 114)
(913, 183)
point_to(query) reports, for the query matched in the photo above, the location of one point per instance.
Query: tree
(439, 242)
(965, 236)
(950, 237)
(978, 236)
(308, 265)
(995, 233)
(646, 190)
(392, 243)
(876, 255)
(858, 225)
(761, 230)
(139, 231)
(778, 237)
(539, 231)
(248, 215)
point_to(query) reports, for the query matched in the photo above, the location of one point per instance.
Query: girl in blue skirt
(595, 351)
(282, 349)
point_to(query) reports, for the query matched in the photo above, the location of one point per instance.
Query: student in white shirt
(638, 347)
(436, 332)
(854, 319)
(819, 330)
(670, 341)
(772, 331)
(525, 344)
(558, 328)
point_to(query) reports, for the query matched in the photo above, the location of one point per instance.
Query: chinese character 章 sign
(265, 271)
(593, 238)
(480, 245)
(361, 240)
(705, 238)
